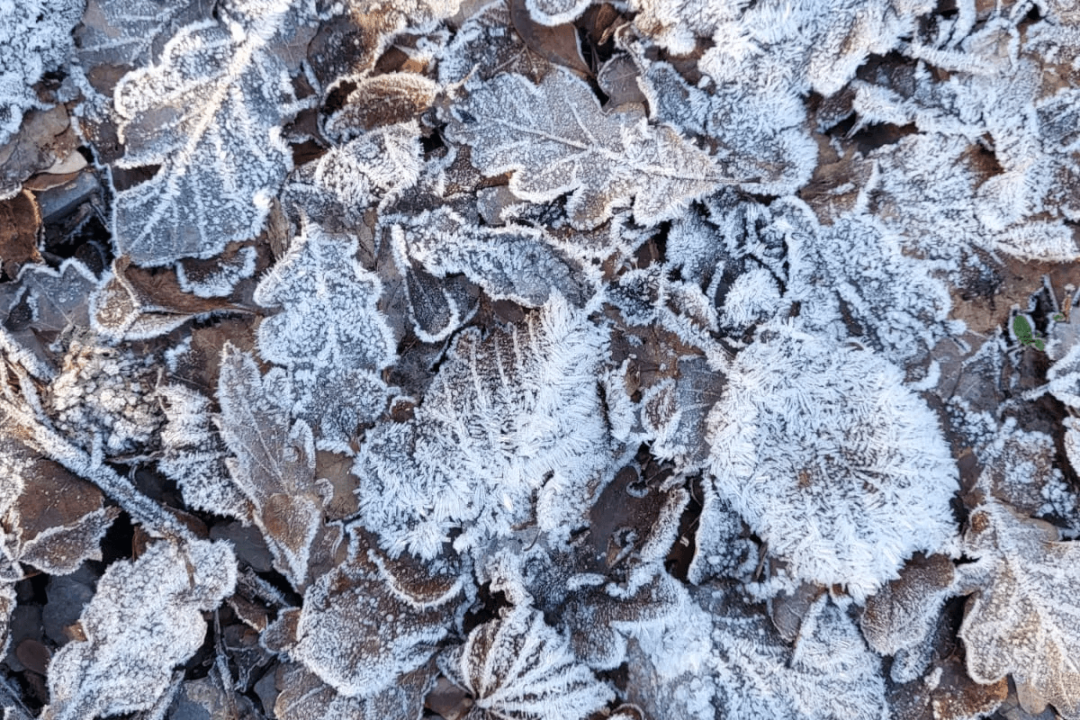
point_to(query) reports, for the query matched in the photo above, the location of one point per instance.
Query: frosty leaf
(510, 428)
(902, 614)
(674, 412)
(330, 335)
(212, 104)
(602, 160)
(145, 619)
(139, 304)
(518, 668)
(208, 279)
(1021, 620)
(830, 674)
(345, 182)
(487, 45)
(125, 32)
(759, 135)
(830, 460)
(556, 12)
(36, 39)
(382, 100)
(511, 263)
(39, 307)
(193, 454)
(854, 279)
(49, 518)
(305, 697)
(358, 636)
(103, 400)
(274, 463)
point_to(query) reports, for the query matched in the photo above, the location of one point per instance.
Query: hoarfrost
(601, 160)
(35, 38)
(1021, 619)
(330, 334)
(274, 463)
(510, 431)
(516, 667)
(145, 618)
(358, 636)
(226, 93)
(839, 468)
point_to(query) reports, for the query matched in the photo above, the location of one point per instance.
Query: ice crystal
(274, 463)
(145, 618)
(516, 667)
(510, 430)
(828, 457)
(35, 38)
(358, 635)
(601, 160)
(513, 263)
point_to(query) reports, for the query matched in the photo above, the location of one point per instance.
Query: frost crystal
(330, 336)
(359, 636)
(601, 160)
(830, 460)
(510, 430)
(145, 619)
(518, 668)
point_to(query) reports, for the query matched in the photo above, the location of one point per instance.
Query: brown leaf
(20, 222)
(139, 303)
(46, 136)
(382, 100)
(902, 614)
(557, 44)
(953, 695)
(618, 78)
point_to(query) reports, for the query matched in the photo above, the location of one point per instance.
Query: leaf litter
(539, 359)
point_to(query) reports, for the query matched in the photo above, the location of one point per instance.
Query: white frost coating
(348, 179)
(760, 134)
(35, 37)
(330, 334)
(221, 151)
(556, 12)
(601, 160)
(514, 263)
(857, 267)
(830, 674)
(274, 463)
(802, 45)
(358, 636)
(519, 668)
(145, 619)
(831, 461)
(193, 454)
(510, 430)
(1022, 619)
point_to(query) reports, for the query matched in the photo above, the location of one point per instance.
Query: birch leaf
(1021, 620)
(555, 139)
(274, 463)
(212, 104)
(831, 460)
(518, 668)
(145, 618)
